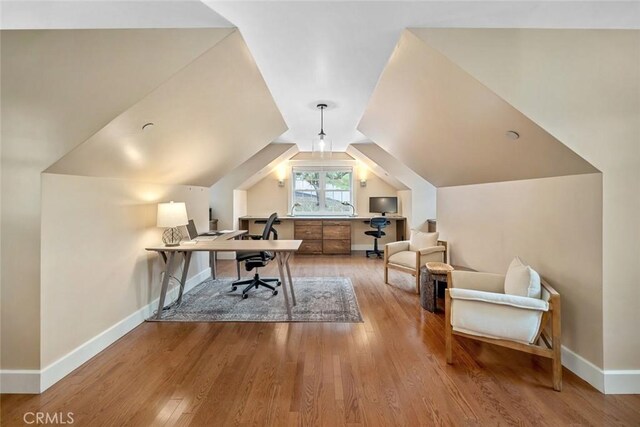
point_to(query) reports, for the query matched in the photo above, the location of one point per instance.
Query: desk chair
(256, 260)
(377, 222)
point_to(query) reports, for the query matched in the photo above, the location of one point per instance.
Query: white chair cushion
(404, 258)
(502, 299)
(499, 321)
(522, 280)
(421, 240)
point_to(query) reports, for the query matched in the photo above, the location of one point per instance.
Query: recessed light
(512, 135)
(147, 125)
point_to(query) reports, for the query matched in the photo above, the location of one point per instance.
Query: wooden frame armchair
(476, 308)
(398, 256)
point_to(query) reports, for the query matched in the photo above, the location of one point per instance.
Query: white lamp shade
(172, 214)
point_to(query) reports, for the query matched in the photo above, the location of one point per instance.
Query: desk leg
(213, 264)
(185, 270)
(165, 283)
(293, 294)
(281, 261)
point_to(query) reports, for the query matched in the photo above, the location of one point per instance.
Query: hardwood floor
(389, 370)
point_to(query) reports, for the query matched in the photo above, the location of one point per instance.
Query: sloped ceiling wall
(257, 167)
(62, 86)
(375, 167)
(375, 156)
(450, 129)
(208, 118)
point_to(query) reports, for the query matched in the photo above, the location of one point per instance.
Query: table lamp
(170, 216)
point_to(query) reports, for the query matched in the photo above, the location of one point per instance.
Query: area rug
(319, 299)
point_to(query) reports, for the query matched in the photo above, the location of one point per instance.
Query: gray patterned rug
(319, 299)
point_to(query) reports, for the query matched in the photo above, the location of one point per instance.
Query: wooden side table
(431, 274)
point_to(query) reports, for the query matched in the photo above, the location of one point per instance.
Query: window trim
(302, 165)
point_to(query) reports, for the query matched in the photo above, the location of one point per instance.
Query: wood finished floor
(389, 370)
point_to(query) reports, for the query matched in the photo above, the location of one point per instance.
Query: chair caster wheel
(278, 284)
(245, 296)
(233, 288)
(257, 286)
(275, 292)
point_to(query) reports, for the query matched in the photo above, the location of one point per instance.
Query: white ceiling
(309, 51)
(336, 51)
(103, 14)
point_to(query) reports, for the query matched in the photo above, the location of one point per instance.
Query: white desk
(282, 249)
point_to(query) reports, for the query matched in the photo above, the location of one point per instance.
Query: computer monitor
(383, 205)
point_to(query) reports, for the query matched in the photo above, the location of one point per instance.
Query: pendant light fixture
(321, 146)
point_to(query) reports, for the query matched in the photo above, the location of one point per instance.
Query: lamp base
(172, 236)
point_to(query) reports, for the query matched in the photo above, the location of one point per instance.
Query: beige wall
(419, 203)
(95, 271)
(582, 86)
(49, 106)
(375, 187)
(266, 197)
(555, 224)
(20, 265)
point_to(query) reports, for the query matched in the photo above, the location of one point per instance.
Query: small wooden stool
(435, 272)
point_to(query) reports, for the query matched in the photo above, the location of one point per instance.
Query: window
(322, 190)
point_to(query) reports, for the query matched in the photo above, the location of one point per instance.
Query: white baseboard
(583, 368)
(37, 381)
(622, 381)
(605, 381)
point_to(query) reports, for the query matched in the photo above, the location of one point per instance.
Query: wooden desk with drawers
(329, 235)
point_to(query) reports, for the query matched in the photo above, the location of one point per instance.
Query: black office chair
(256, 260)
(377, 222)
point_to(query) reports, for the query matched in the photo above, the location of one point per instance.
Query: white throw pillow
(522, 280)
(421, 240)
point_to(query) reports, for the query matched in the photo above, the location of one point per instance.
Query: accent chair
(409, 255)
(511, 310)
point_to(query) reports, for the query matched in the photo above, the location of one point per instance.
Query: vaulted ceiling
(311, 51)
(208, 118)
(59, 87)
(203, 99)
(451, 129)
